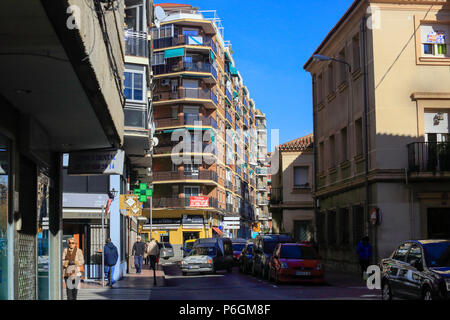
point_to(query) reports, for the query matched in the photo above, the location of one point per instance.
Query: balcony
(276, 195)
(228, 116)
(184, 121)
(166, 148)
(170, 97)
(136, 44)
(176, 203)
(229, 185)
(182, 66)
(136, 117)
(228, 93)
(262, 171)
(184, 40)
(169, 176)
(429, 157)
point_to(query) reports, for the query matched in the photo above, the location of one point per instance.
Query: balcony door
(190, 88)
(191, 170)
(191, 115)
(135, 18)
(189, 192)
(437, 138)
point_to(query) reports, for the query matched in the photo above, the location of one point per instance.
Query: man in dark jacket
(138, 251)
(364, 251)
(111, 256)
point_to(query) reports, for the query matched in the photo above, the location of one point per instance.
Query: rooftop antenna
(160, 15)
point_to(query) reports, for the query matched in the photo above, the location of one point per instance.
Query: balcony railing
(184, 40)
(228, 116)
(161, 203)
(262, 171)
(136, 44)
(187, 175)
(204, 67)
(181, 121)
(276, 195)
(185, 93)
(429, 156)
(167, 148)
(227, 92)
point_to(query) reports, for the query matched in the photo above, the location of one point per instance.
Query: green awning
(235, 94)
(172, 53)
(212, 55)
(233, 70)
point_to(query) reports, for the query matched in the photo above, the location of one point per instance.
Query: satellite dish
(155, 141)
(160, 15)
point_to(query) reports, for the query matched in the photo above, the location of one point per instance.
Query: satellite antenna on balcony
(160, 15)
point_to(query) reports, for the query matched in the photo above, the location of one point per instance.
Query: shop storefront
(4, 206)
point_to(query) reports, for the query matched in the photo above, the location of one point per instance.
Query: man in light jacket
(153, 254)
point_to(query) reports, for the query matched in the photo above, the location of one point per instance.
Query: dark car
(417, 269)
(238, 245)
(245, 260)
(295, 262)
(264, 245)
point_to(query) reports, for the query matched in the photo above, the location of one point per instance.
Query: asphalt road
(236, 286)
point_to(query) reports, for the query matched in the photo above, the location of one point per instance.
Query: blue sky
(271, 41)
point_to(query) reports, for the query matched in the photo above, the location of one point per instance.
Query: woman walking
(73, 261)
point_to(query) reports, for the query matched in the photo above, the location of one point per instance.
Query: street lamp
(319, 57)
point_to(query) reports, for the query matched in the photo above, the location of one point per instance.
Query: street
(236, 286)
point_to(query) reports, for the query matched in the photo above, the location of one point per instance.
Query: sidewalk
(131, 287)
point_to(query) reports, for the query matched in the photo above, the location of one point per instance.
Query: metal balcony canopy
(173, 53)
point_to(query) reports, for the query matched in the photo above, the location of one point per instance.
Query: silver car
(200, 259)
(166, 250)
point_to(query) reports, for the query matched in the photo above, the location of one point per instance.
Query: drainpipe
(366, 125)
(316, 240)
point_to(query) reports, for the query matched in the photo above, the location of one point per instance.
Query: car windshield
(238, 246)
(203, 251)
(298, 252)
(437, 254)
(269, 246)
(188, 245)
(167, 245)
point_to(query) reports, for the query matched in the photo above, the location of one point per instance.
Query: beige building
(398, 164)
(291, 202)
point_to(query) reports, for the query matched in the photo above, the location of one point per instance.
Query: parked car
(245, 260)
(417, 269)
(295, 262)
(166, 251)
(187, 246)
(263, 249)
(209, 255)
(238, 245)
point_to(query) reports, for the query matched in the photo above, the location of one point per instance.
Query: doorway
(438, 222)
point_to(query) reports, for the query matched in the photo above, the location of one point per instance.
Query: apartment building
(262, 171)
(58, 94)
(84, 196)
(199, 99)
(291, 200)
(381, 128)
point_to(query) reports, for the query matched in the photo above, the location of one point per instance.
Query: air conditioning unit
(165, 82)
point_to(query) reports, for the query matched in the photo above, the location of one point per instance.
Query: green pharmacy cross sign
(143, 192)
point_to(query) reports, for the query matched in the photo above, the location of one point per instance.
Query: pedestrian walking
(364, 251)
(111, 256)
(138, 253)
(73, 264)
(153, 254)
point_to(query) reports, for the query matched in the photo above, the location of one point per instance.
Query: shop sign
(199, 202)
(96, 162)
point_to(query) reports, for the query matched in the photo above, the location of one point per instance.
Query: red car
(292, 262)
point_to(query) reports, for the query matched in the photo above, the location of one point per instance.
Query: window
(356, 53)
(414, 254)
(174, 112)
(344, 226)
(85, 184)
(321, 157)
(135, 84)
(332, 152)
(342, 67)
(163, 32)
(191, 192)
(191, 169)
(135, 18)
(191, 115)
(319, 88)
(401, 252)
(331, 227)
(158, 58)
(301, 177)
(359, 137)
(434, 38)
(331, 81)
(344, 154)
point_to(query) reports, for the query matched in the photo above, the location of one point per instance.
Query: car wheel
(427, 294)
(386, 293)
